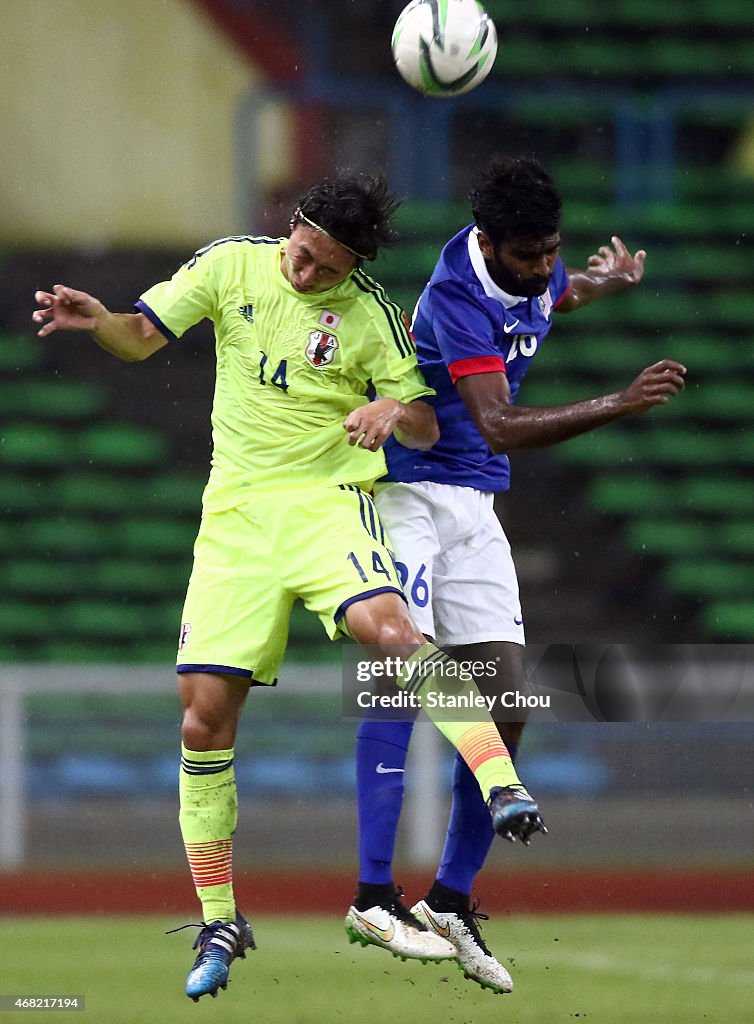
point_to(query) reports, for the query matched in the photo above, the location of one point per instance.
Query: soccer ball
(444, 47)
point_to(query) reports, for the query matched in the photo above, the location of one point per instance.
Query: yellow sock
(476, 739)
(208, 816)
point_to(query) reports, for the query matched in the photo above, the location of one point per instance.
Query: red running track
(541, 892)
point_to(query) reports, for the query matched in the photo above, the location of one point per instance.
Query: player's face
(314, 262)
(522, 266)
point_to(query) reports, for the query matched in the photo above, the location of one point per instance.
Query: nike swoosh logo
(519, 622)
(441, 929)
(509, 327)
(386, 934)
(382, 770)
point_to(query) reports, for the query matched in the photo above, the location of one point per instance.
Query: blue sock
(470, 832)
(379, 794)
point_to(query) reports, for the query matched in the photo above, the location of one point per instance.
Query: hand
(654, 386)
(65, 309)
(618, 263)
(371, 425)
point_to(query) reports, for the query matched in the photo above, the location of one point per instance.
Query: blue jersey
(465, 324)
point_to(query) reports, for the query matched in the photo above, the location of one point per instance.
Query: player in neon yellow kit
(301, 332)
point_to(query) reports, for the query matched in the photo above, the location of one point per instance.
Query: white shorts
(455, 562)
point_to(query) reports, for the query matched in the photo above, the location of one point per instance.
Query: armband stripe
(477, 364)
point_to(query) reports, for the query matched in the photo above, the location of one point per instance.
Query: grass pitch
(595, 970)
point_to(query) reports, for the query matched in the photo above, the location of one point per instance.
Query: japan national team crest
(321, 348)
(545, 304)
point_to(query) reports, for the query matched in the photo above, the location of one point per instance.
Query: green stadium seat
(22, 494)
(124, 445)
(661, 446)
(98, 493)
(738, 536)
(600, 448)
(420, 219)
(694, 56)
(90, 651)
(167, 538)
(25, 620)
(665, 538)
(582, 180)
(129, 576)
(730, 620)
(35, 445)
(51, 398)
(707, 578)
(173, 494)
(59, 535)
(120, 620)
(19, 352)
(645, 14)
(719, 496)
(44, 577)
(632, 495)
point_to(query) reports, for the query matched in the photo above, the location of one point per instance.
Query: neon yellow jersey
(290, 367)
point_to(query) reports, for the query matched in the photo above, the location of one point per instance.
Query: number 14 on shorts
(419, 589)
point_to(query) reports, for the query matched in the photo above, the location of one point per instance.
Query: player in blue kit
(479, 323)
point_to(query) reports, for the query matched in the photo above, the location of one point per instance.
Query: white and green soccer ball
(444, 47)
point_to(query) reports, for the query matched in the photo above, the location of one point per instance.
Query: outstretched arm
(609, 270)
(413, 423)
(130, 336)
(507, 427)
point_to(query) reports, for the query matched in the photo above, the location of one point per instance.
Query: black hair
(354, 211)
(515, 198)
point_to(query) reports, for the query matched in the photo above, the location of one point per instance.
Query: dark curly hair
(515, 198)
(354, 211)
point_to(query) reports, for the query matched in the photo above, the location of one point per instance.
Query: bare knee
(211, 708)
(383, 622)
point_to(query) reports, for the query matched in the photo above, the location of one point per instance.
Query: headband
(299, 215)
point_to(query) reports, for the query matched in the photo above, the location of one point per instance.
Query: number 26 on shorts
(419, 589)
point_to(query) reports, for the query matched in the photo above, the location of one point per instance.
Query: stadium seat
(44, 577)
(719, 496)
(630, 495)
(167, 538)
(730, 620)
(668, 537)
(738, 536)
(124, 445)
(22, 494)
(117, 619)
(51, 399)
(26, 620)
(58, 535)
(97, 493)
(142, 577)
(172, 494)
(35, 445)
(709, 577)
(18, 353)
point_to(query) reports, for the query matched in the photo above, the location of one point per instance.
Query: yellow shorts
(326, 546)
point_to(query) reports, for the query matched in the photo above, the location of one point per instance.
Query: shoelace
(401, 911)
(201, 938)
(471, 919)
